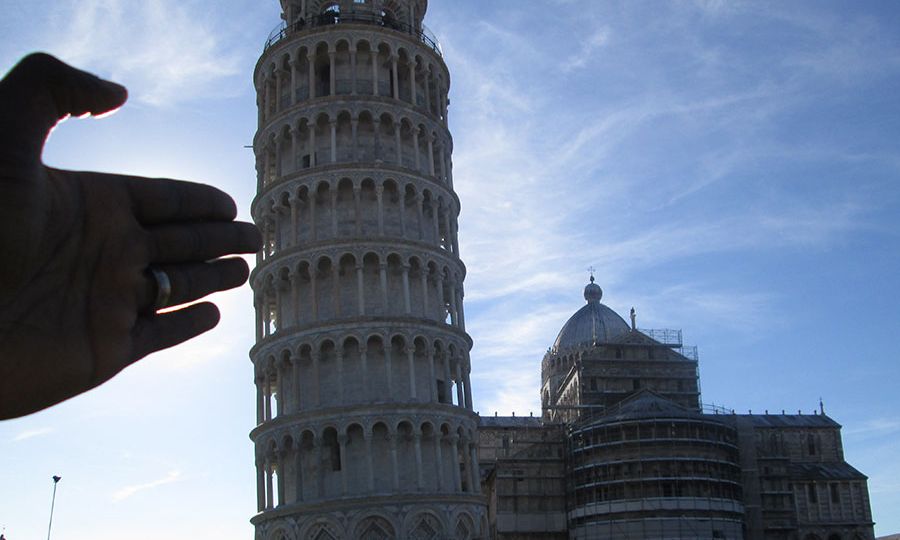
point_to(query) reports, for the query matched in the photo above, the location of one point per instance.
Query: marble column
(298, 377)
(411, 366)
(260, 484)
(360, 291)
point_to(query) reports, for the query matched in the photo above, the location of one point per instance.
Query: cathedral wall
(603, 375)
(796, 482)
(524, 469)
(655, 477)
(675, 527)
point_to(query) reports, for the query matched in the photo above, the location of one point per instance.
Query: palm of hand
(74, 290)
(76, 303)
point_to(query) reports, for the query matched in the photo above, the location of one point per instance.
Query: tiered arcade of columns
(365, 427)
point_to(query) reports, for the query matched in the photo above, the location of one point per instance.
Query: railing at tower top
(671, 338)
(689, 352)
(666, 336)
(327, 19)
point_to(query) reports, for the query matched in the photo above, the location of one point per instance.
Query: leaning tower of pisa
(365, 428)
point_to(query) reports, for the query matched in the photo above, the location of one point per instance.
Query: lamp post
(56, 480)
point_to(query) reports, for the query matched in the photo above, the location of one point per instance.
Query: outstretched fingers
(189, 282)
(156, 332)
(158, 201)
(192, 242)
(40, 90)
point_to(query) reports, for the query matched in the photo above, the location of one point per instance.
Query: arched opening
(382, 469)
(376, 357)
(348, 289)
(343, 69)
(405, 455)
(355, 459)
(368, 208)
(355, 378)
(344, 137)
(345, 209)
(329, 378)
(301, 67)
(308, 388)
(308, 468)
(331, 462)
(322, 71)
(325, 302)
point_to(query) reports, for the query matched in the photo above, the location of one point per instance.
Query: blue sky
(730, 169)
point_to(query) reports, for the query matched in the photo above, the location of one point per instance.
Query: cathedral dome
(593, 323)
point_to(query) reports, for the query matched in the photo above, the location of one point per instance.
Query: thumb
(40, 91)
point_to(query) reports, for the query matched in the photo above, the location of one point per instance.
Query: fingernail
(116, 88)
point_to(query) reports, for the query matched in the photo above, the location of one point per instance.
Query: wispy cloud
(128, 491)
(589, 48)
(874, 427)
(164, 51)
(557, 172)
(31, 433)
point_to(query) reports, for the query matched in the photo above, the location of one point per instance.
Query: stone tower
(365, 428)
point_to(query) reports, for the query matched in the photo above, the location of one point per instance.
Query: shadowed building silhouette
(626, 449)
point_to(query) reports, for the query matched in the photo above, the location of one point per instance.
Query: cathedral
(625, 449)
(365, 425)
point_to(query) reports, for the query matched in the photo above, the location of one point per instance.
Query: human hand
(76, 297)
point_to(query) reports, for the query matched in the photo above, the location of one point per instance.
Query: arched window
(835, 493)
(811, 493)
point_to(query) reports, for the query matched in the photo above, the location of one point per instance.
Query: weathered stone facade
(365, 427)
(625, 449)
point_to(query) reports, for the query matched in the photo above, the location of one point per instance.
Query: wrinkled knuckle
(40, 61)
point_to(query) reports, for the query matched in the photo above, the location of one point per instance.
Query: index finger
(163, 200)
(40, 90)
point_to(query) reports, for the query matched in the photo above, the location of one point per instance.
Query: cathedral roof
(648, 404)
(790, 420)
(593, 323)
(840, 470)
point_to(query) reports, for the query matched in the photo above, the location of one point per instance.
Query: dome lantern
(593, 324)
(592, 291)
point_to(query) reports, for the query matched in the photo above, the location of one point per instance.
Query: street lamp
(56, 480)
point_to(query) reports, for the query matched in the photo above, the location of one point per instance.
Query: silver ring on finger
(163, 288)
